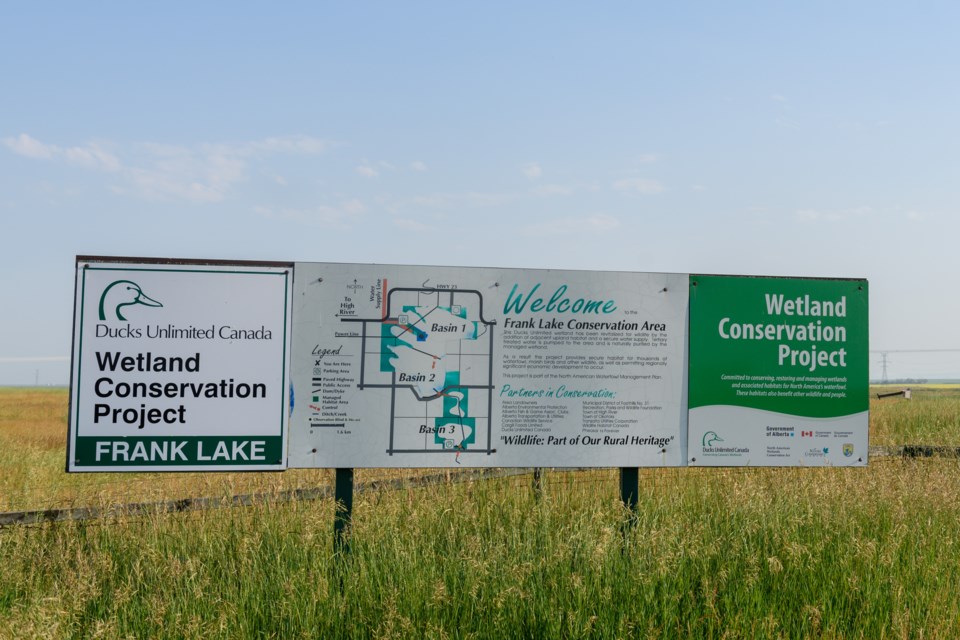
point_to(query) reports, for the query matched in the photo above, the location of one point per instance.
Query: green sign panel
(778, 371)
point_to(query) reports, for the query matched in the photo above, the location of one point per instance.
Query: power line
(913, 350)
(884, 361)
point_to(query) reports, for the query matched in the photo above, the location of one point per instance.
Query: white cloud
(412, 225)
(778, 97)
(291, 145)
(418, 166)
(201, 173)
(532, 170)
(594, 223)
(809, 215)
(648, 158)
(369, 169)
(29, 147)
(338, 217)
(91, 156)
(548, 190)
(433, 200)
(479, 199)
(838, 215)
(639, 185)
(353, 207)
(208, 183)
(466, 199)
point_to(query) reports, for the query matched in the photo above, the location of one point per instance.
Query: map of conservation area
(405, 366)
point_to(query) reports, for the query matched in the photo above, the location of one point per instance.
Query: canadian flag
(806, 434)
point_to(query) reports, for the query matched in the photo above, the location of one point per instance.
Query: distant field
(33, 433)
(740, 553)
(931, 417)
(942, 386)
(33, 440)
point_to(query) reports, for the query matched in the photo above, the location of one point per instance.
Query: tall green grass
(748, 554)
(710, 553)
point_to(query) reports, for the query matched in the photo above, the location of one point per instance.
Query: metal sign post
(343, 511)
(630, 488)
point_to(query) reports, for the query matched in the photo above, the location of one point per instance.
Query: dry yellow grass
(33, 435)
(34, 418)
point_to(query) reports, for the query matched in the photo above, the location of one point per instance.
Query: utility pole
(884, 360)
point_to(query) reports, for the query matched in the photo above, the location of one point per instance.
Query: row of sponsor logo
(712, 444)
(813, 452)
(790, 432)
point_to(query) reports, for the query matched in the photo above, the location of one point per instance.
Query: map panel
(399, 366)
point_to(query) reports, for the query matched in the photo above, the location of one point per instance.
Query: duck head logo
(710, 438)
(120, 294)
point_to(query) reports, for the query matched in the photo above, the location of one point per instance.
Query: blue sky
(810, 139)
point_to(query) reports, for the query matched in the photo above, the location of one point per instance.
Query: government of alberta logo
(120, 294)
(711, 437)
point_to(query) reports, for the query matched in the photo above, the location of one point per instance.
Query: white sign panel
(403, 366)
(179, 367)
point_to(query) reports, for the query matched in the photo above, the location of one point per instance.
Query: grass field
(931, 417)
(750, 553)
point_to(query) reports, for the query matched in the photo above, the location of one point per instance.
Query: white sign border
(85, 263)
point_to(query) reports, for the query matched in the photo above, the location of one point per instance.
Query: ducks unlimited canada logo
(120, 294)
(710, 438)
(712, 447)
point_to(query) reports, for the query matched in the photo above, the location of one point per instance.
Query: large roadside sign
(214, 366)
(405, 366)
(778, 371)
(179, 366)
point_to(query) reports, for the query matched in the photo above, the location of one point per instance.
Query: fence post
(343, 510)
(630, 488)
(537, 483)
